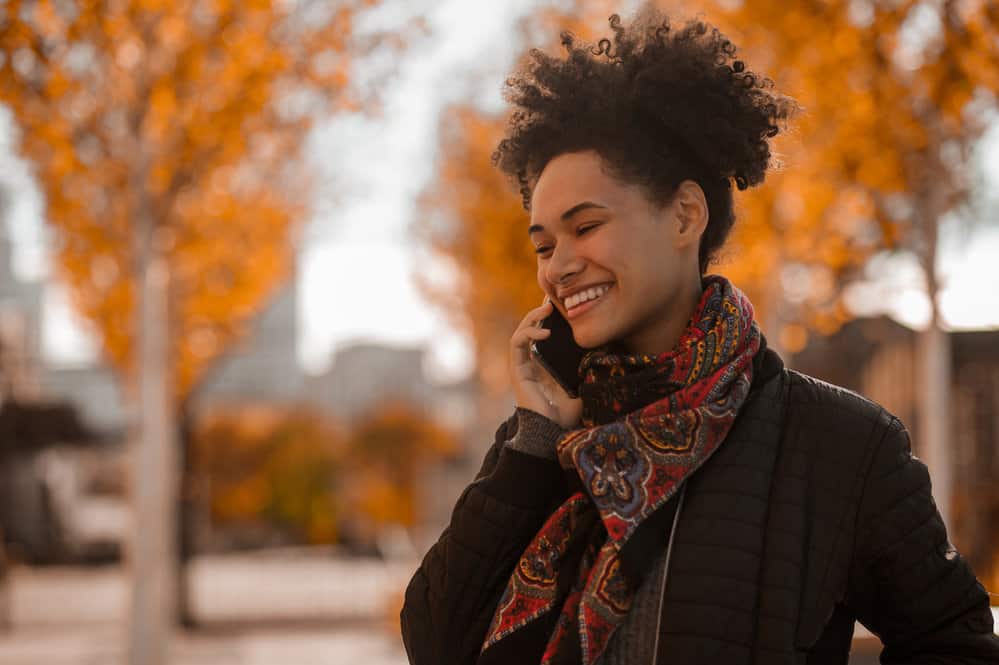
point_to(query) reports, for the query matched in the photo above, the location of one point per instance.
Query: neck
(663, 331)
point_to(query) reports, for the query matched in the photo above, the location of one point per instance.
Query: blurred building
(263, 366)
(51, 456)
(876, 357)
(20, 325)
(60, 484)
(95, 392)
(873, 356)
(361, 376)
(91, 389)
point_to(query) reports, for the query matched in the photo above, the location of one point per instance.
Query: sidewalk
(263, 609)
(103, 645)
(256, 609)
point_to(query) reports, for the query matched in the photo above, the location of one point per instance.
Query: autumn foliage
(472, 218)
(187, 118)
(266, 468)
(388, 452)
(301, 477)
(879, 154)
(896, 95)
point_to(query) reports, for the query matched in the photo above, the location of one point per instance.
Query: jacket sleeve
(451, 598)
(909, 586)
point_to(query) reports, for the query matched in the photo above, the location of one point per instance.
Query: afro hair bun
(659, 105)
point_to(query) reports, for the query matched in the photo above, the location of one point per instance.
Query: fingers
(534, 317)
(529, 329)
(521, 342)
(533, 387)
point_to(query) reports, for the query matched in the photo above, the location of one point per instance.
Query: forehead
(570, 178)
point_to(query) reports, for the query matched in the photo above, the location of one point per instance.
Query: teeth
(583, 296)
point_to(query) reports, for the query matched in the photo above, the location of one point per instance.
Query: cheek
(613, 250)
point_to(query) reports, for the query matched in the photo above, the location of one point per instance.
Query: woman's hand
(533, 387)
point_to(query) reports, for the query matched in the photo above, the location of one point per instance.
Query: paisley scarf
(648, 423)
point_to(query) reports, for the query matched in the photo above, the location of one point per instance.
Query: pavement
(257, 609)
(271, 608)
(258, 646)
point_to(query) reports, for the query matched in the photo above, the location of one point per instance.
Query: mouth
(584, 301)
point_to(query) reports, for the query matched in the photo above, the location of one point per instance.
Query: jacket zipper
(662, 590)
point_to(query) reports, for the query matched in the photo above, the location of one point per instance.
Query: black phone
(558, 353)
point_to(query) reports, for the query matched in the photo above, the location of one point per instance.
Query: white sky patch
(366, 292)
(66, 338)
(25, 206)
(378, 167)
(969, 296)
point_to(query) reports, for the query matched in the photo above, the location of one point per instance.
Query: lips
(577, 296)
(583, 301)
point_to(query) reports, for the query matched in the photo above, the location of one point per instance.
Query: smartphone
(558, 353)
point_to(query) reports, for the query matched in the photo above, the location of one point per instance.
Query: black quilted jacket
(813, 513)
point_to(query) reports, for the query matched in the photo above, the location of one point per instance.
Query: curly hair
(659, 106)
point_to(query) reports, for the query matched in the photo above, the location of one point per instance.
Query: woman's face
(618, 266)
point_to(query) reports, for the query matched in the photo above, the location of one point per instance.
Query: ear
(690, 209)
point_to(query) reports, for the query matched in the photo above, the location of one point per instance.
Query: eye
(585, 228)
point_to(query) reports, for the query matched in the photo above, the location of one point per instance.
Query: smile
(580, 302)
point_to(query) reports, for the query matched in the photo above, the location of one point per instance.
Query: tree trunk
(6, 622)
(934, 360)
(186, 518)
(934, 366)
(154, 479)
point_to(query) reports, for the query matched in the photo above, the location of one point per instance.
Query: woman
(698, 502)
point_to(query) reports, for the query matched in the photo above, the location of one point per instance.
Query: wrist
(537, 434)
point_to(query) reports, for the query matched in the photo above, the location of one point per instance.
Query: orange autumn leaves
(390, 451)
(301, 474)
(255, 466)
(190, 115)
(893, 96)
(472, 218)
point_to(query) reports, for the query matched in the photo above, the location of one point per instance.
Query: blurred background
(257, 279)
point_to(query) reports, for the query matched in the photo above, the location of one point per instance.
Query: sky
(357, 258)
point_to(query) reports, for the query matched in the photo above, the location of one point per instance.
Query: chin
(591, 339)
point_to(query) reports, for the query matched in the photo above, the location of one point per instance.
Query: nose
(563, 264)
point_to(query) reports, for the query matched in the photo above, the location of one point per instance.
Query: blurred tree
(387, 451)
(273, 465)
(896, 98)
(471, 218)
(167, 137)
(190, 116)
(297, 474)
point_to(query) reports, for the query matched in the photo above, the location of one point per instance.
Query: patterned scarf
(648, 423)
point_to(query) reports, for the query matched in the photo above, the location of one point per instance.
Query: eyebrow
(565, 216)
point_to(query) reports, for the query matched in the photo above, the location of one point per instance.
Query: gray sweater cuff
(536, 434)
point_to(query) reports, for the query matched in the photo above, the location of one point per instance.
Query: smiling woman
(698, 502)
